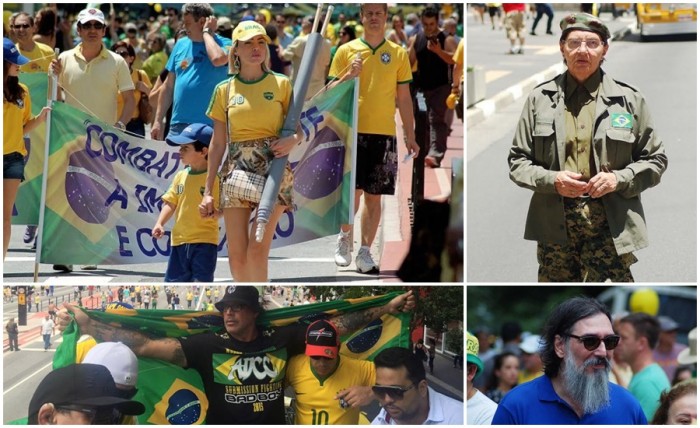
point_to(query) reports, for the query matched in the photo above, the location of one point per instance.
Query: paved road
(666, 72)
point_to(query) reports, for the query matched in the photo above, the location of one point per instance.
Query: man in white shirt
(405, 396)
(480, 409)
(47, 327)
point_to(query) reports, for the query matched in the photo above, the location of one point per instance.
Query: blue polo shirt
(195, 79)
(536, 403)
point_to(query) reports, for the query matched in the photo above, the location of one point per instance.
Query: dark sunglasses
(342, 33)
(592, 342)
(394, 392)
(235, 307)
(24, 26)
(95, 25)
(99, 416)
(123, 53)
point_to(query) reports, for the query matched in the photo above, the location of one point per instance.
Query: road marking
(10, 389)
(78, 280)
(549, 50)
(492, 75)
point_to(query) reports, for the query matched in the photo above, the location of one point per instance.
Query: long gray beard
(591, 391)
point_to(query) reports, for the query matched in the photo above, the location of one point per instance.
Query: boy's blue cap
(194, 132)
(11, 54)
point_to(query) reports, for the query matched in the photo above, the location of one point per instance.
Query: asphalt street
(665, 71)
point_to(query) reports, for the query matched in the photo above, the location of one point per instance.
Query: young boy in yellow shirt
(194, 240)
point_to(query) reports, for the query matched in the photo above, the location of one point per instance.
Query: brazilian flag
(173, 395)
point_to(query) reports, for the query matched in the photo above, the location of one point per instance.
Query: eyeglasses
(22, 26)
(91, 25)
(394, 392)
(123, 53)
(592, 342)
(574, 44)
(97, 416)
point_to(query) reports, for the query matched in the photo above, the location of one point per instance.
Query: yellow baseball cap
(473, 353)
(246, 30)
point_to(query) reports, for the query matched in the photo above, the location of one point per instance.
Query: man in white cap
(530, 359)
(121, 363)
(690, 354)
(92, 77)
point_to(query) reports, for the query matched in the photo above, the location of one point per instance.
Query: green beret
(584, 22)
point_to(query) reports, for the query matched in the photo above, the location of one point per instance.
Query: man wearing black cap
(79, 394)
(243, 367)
(329, 388)
(585, 144)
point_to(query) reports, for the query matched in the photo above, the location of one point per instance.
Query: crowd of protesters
(170, 74)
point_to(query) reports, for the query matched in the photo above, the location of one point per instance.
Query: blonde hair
(234, 62)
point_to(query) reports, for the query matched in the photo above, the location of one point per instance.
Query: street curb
(483, 109)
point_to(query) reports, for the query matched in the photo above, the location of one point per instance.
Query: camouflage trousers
(590, 254)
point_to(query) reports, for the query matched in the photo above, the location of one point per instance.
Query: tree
(438, 305)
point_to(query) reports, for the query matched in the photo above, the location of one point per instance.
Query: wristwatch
(120, 124)
(207, 31)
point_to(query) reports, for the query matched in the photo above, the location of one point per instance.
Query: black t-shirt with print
(244, 381)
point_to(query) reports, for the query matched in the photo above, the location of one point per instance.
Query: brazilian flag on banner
(173, 395)
(26, 209)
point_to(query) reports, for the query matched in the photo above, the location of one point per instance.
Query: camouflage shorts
(590, 255)
(254, 156)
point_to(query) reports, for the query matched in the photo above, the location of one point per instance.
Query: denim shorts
(191, 262)
(13, 166)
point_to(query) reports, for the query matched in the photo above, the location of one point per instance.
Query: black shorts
(13, 166)
(377, 164)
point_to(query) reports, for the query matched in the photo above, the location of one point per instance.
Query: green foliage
(454, 340)
(439, 305)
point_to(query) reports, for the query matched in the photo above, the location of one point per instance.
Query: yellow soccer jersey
(186, 194)
(255, 109)
(14, 117)
(315, 403)
(40, 58)
(383, 69)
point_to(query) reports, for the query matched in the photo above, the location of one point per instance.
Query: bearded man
(576, 350)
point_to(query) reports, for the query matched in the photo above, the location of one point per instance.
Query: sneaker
(64, 268)
(431, 162)
(521, 50)
(342, 250)
(364, 262)
(89, 267)
(29, 233)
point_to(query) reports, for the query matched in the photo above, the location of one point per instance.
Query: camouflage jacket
(624, 141)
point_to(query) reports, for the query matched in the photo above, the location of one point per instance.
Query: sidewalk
(32, 331)
(394, 234)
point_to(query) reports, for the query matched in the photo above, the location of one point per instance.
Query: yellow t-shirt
(458, 57)
(94, 85)
(14, 117)
(383, 69)
(190, 296)
(255, 109)
(186, 194)
(527, 377)
(137, 94)
(40, 58)
(315, 403)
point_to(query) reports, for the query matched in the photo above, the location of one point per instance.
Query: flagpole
(45, 175)
(353, 171)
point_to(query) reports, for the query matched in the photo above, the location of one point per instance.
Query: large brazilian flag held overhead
(173, 395)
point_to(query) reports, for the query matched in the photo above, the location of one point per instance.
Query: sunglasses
(394, 392)
(123, 53)
(592, 342)
(235, 307)
(316, 358)
(22, 26)
(95, 25)
(97, 416)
